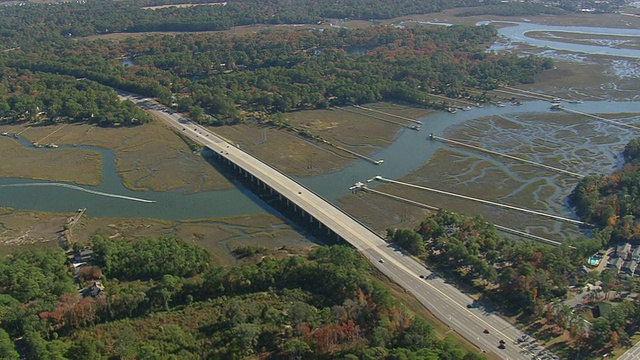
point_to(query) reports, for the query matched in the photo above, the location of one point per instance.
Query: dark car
(486, 331)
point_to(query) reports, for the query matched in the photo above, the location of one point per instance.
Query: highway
(446, 302)
(631, 354)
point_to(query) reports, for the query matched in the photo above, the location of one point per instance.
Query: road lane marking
(333, 214)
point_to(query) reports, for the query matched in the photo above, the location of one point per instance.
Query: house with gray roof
(615, 263)
(623, 251)
(629, 267)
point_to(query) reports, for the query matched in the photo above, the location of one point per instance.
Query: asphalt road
(446, 302)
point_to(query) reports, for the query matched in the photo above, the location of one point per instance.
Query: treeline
(145, 82)
(45, 98)
(613, 202)
(324, 306)
(233, 77)
(25, 25)
(148, 258)
(223, 79)
(518, 276)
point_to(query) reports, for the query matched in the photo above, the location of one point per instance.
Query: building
(630, 267)
(96, 289)
(615, 263)
(84, 255)
(623, 251)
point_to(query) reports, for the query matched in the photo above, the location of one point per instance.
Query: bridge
(454, 308)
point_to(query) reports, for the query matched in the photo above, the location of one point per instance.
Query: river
(518, 34)
(409, 151)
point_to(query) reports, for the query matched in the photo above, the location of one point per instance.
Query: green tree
(196, 113)
(600, 332)
(7, 347)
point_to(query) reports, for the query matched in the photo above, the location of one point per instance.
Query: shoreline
(193, 174)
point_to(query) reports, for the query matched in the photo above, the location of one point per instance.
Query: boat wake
(75, 187)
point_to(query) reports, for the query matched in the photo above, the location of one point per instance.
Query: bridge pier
(281, 203)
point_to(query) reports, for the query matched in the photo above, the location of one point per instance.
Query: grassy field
(69, 165)
(148, 156)
(354, 129)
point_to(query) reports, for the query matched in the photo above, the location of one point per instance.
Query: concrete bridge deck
(446, 302)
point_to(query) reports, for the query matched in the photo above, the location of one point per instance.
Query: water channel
(518, 34)
(410, 150)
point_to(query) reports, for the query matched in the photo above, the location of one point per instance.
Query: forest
(162, 299)
(234, 78)
(51, 73)
(522, 277)
(25, 26)
(45, 99)
(612, 202)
